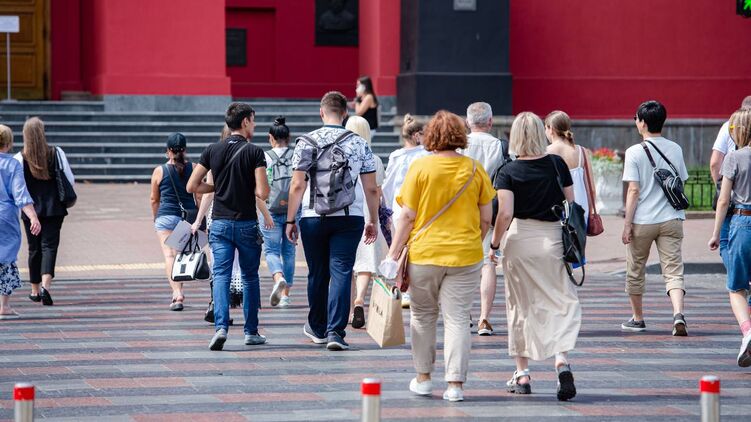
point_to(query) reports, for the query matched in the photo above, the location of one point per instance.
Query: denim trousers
(226, 237)
(739, 251)
(330, 245)
(280, 252)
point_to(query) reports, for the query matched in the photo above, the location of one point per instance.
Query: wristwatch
(495, 248)
(290, 222)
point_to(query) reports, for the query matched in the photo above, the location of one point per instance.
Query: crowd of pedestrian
(459, 199)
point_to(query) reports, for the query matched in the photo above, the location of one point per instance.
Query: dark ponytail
(279, 130)
(180, 161)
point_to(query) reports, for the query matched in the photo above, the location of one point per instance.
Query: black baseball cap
(176, 142)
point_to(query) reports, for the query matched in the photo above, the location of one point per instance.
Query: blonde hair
(740, 127)
(36, 152)
(226, 132)
(560, 123)
(527, 136)
(360, 126)
(410, 127)
(6, 138)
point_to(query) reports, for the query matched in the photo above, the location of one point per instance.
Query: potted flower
(607, 166)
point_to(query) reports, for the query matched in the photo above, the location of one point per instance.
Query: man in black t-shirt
(239, 170)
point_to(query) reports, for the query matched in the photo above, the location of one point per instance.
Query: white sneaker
(406, 300)
(276, 294)
(744, 356)
(453, 394)
(284, 302)
(424, 388)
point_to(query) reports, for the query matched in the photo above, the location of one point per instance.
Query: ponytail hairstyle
(410, 127)
(560, 123)
(36, 152)
(279, 130)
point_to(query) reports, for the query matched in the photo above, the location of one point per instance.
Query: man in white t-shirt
(489, 151)
(651, 219)
(330, 241)
(722, 146)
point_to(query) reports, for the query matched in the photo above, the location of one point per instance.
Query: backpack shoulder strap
(273, 155)
(308, 140)
(343, 136)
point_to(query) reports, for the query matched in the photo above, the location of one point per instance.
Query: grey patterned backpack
(280, 178)
(331, 186)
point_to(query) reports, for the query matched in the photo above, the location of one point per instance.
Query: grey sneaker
(276, 294)
(217, 342)
(254, 339)
(679, 325)
(336, 342)
(311, 335)
(634, 326)
(284, 302)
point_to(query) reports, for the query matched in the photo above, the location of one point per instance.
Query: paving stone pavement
(109, 350)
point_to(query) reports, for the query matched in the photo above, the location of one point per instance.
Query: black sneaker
(634, 326)
(336, 342)
(35, 298)
(566, 388)
(46, 297)
(358, 317)
(679, 325)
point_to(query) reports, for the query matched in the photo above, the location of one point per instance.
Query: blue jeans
(330, 245)
(280, 252)
(724, 235)
(225, 237)
(739, 251)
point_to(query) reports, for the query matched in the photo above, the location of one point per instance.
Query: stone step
(38, 106)
(89, 116)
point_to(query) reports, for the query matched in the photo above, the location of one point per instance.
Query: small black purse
(574, 233)
(670, 182)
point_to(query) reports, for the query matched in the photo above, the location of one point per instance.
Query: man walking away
(491, 153)
(651, 218)
(239, 170)
(328, 163)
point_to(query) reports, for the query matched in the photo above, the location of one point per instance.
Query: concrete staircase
(126, 146)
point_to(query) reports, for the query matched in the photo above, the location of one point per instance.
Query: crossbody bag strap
(174, 187)
(590, 186)
(235, 155)
(675, 172)
(448, 205)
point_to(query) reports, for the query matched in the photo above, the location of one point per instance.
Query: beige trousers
(669, 237)
(454, 289)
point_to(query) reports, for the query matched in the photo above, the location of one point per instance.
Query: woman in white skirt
(368, 256)
(542, 308)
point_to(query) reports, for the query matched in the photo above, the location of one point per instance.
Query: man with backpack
(654, 214)
(492, 153)
(239, 171)
(328, 163)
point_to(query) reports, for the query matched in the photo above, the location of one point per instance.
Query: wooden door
(28, 50)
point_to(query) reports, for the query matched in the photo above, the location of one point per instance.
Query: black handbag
(187, 215)
(65, 192)
(670, 182)
(574, 232)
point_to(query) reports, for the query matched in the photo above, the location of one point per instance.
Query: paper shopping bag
(385, 323)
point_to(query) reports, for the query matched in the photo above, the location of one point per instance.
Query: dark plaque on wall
(237, 47)
(337, 23)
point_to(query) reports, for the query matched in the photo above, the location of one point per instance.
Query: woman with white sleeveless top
(558, 132)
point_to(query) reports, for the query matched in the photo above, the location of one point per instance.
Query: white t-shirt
(485, 148)
(361, 161)
(399, 162)
(653, 207)
(724, 143)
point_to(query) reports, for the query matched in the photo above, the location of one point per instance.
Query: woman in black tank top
(366, 102)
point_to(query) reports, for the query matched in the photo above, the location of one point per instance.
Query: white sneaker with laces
(744, 356)
(453, 394)
(276, 294)
(424, 388)
(284, 302)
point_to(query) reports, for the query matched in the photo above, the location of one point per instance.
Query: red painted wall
(293, 66)
(379, 43)
(601, 58)
(65, 54)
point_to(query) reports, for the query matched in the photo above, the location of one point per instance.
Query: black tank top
(371, 115)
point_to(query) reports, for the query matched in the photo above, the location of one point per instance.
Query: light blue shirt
(13, 197)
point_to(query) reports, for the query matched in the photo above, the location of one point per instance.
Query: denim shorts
(738, 252)
(166, 222)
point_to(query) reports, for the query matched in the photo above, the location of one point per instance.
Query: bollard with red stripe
(23, 394)
(709, 387)
(371, 400)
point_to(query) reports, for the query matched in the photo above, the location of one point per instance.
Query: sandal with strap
(566, 388)
(513, 386)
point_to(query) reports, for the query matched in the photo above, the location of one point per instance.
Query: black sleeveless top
(371, 115)
(44, 192)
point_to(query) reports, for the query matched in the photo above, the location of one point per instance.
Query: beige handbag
(402, 263)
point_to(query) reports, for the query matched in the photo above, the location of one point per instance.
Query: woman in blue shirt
(13, 196)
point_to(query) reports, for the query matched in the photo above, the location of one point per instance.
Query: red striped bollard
(709, 386)
(23, 394)
(371, 400)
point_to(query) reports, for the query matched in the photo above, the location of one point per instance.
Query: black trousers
(43, 248)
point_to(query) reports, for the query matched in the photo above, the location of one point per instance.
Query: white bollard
(23, 394)
(709, 386)
(371, 400)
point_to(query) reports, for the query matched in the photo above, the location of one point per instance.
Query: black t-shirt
(535, 186)
(234, 185)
